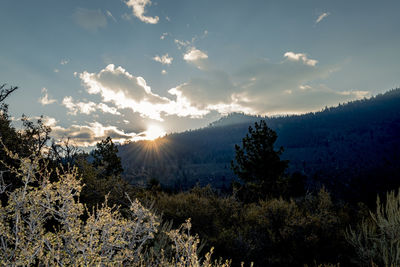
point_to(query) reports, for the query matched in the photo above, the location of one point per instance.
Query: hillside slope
(335, 146)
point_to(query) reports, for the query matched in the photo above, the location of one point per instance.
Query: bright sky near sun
(135, 69)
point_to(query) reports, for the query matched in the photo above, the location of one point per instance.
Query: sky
(136, 69)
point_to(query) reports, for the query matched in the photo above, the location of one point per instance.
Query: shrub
(377, 238)
(41, 223)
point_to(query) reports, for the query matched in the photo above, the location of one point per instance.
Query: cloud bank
(126, 91)
(262, 87)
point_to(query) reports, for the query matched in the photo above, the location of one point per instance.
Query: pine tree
(257, 164)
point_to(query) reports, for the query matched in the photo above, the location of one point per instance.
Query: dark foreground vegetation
(268, 215)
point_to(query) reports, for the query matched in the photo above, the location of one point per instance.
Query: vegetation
(41, 224)
(61, 206)
(340, 147)
(258, 165)
(377, 238)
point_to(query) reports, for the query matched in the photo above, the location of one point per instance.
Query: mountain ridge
(337, 144)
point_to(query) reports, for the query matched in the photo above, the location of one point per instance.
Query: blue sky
(122, 67)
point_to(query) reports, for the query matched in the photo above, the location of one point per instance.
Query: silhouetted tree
(5, 92)
(258, 164)
(105, 155)
(36, 135)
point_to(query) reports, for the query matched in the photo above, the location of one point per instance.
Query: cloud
(181, 44)
(216, 88)
(194, 54)
(56, 70)
(109, 14)
(165, 34)
(89, 135)
(321, 17)
(87, 108)
(300, 57)
(64, 61)
(48, 121)
(45, 100)
(126, 91)
(164, 59)
(89, 19)
(138, 9)
(196, 57)
(264, 87)
(94, 132)
(163, 72)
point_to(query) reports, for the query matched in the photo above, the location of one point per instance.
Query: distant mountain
(339, 146)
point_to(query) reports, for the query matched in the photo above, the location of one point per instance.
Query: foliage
(105, 156)
(41, 224)
(4, 93)
(258, 164)
(377, 238)
(340, 147)
(273, 232)
(35, 135)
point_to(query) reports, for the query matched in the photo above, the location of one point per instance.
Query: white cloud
(56, 70)
(165, 34)
(118, 86)
(163, 72)
(45, 100)
(164, 59)
(196, 57)
(49, 121)
(138, 8)
(300, 57)
(181, 44)
(87, 108)
(321, 17)
(89, 19)
(64, 61)
(194, 54)
(89, 135)
(109, 14)
(264, 87)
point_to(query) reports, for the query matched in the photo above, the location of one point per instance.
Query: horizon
(137, 70)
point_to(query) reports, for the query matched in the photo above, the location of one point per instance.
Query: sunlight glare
(154, 132)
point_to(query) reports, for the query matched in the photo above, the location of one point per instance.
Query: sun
(154, 132)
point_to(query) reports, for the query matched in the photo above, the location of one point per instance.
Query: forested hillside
(338, 147)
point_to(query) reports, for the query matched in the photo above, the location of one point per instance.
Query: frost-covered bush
(377, 238)
(42, 222)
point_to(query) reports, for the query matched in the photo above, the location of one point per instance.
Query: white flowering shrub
(43, 223)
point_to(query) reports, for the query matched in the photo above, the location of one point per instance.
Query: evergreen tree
(105, 155)
(258, 164)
